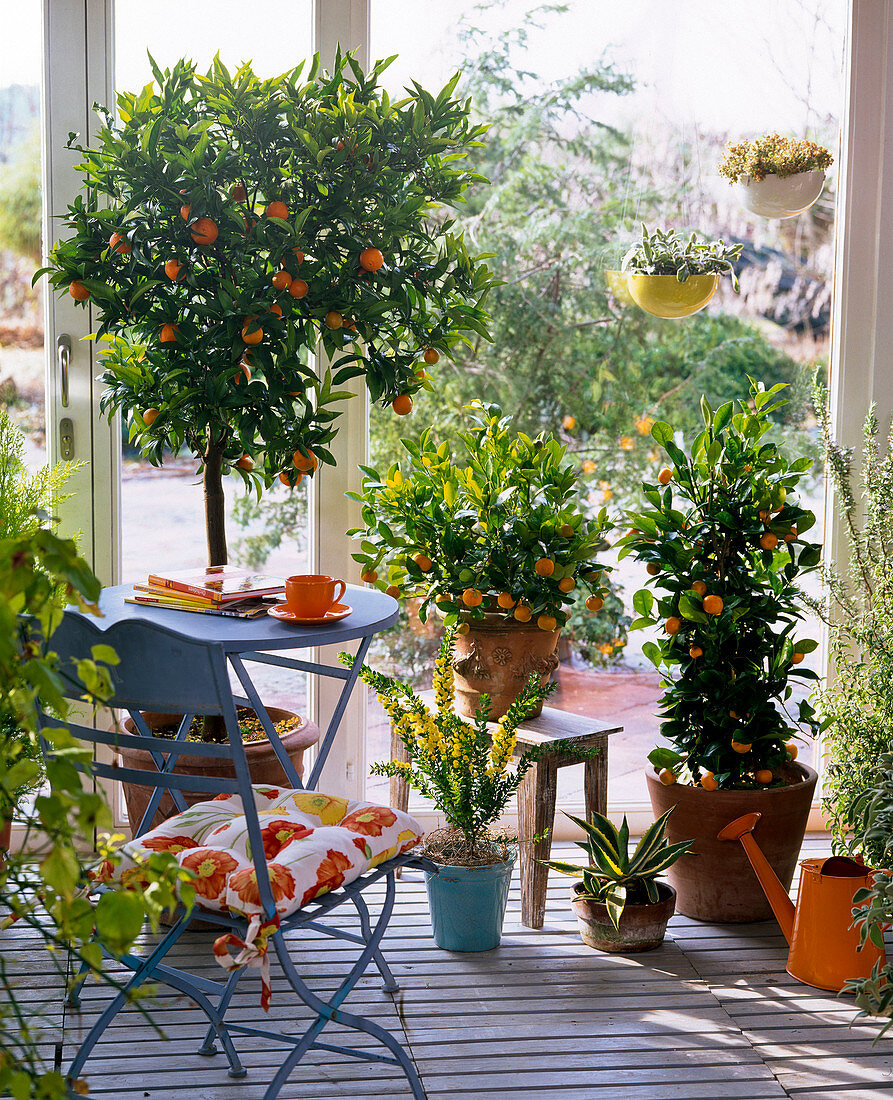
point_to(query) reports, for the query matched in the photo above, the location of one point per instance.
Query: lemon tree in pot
(497, 541)
(463, 768)
(775, 176)
(619, 904)
(724, 540)
(673, 277)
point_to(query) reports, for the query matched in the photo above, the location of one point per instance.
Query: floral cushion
(313, 842)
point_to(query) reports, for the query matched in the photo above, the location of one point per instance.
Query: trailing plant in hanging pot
(230, 226)
(672, 277)
(723, 537)
(776, 177)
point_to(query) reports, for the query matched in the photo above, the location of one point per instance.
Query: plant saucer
(336, 611)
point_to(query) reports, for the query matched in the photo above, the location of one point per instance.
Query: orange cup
(311, 595)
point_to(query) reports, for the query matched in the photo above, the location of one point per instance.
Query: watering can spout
(782, 906)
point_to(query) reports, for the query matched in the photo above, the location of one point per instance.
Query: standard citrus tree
(723, 542)
(230, 224)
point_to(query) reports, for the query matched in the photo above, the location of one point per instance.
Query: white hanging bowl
(780, 196)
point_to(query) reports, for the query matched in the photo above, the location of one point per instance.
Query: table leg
(536, 814)
(399, 786)
(595, 780)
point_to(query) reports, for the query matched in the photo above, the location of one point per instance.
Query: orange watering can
(824, 948)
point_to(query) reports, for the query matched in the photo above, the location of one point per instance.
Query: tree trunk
(215, 517)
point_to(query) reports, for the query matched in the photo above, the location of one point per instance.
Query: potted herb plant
(775, 176)
(463, 768)
(497, 542)
(672, 277)
(619, 904)
(230, 225)
(723, 538)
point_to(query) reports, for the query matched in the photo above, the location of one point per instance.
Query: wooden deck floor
(712, 1014)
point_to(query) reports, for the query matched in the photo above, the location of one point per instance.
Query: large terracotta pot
(496, 657)
(262, 764)
(642, 927)
(717, 883)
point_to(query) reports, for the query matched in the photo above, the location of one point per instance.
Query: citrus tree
(722, 537)
(229, 224)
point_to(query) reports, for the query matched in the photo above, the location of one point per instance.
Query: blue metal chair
(162, 671)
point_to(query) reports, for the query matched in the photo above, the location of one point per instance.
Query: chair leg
(209, 1047)
(389, 982)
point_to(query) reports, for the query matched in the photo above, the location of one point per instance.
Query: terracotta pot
(642, 927)
(496, 657)
(5, 837)
(262, 764)
(717, 883)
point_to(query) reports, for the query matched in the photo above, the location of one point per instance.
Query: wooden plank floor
(712, 1014)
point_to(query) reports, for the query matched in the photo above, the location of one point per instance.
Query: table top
(372, 611)
(554, 725)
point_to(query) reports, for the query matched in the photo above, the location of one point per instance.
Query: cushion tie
(253, 951)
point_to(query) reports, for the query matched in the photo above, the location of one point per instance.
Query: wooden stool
(536, 795)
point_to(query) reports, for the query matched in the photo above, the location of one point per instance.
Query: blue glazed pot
(467, 905)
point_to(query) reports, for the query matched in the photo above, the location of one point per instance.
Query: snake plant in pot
(619, 903)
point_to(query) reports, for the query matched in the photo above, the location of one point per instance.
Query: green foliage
(190, 174)
(856, 707)
(25, 496)
(723, 535)
(615, 877)
(461, 766)
(772, 154)
(461, 535)
(41, 886)
(20, 226)
(664, 252)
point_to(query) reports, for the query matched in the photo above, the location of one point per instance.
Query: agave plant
(664, 252)
(615, 877)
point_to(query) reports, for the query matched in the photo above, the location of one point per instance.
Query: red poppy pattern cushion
(313, 843)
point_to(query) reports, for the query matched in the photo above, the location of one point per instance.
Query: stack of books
(216, 590)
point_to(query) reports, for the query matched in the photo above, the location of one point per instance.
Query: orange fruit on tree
(569, 423)
(472, 597)
(281, 280)
(792, 751)
(695, 652)
(78, 291)
(290, 479)
(168, 333)
(304, 462)
(505, 600)
(334, 320)
(713, 605)
(797, 658)
(402, 405)
(252, 333)
(699, 586)
(246, 462)
(742, 746)
(544, 567)
(792, 534)
(667, 776)
(371, 259)
(393, 591)
(431, 356)
(149, 417)
(522, 613)
(119, 243)
(665, 476)
(769, 541)
(204, 231)
(463, 628)
(673, 625)
(297, 288)
(764, 776)
(370, 576)
(547, 622)
(566, 531)
(276, 209)
(595, 603)
(276, 309)
(174, 270)
(652, 568)
(567, 584)
(764, 515)
(298, 255)
(423, 562)
(238, 192)
(708, 781)
(627, 443)
(185, 211)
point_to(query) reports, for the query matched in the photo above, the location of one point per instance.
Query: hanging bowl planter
(664, 296)
(618, 286)
(780, 196)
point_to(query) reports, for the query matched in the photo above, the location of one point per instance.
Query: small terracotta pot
(642, 927)
(5, 836)
(263, 764)
(496, 657)
(717, 883)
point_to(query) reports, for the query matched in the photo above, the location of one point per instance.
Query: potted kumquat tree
(723, 541)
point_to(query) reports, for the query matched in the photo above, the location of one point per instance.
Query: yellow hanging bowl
(619, 287)
(665, 296)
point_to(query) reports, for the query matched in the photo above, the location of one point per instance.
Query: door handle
(63, 357)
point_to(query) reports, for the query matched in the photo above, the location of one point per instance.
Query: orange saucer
(336, 611)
